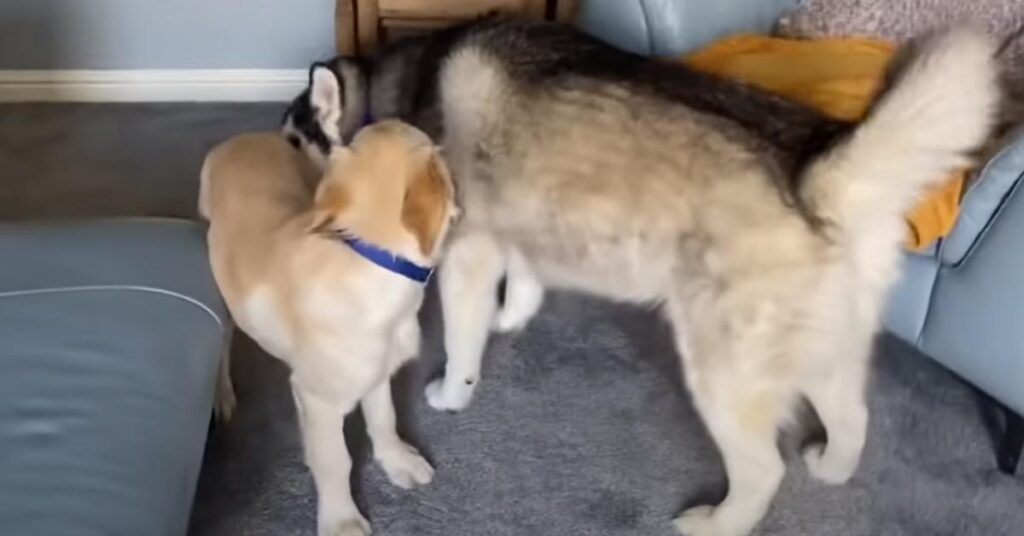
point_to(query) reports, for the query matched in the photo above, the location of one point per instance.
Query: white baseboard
(206, 85)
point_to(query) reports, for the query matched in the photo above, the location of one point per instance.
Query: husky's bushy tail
(939, 106)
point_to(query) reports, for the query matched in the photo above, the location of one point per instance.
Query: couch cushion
(974, 325)
(672, 27)
(112, 332)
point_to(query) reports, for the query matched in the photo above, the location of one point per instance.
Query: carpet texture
(580, 425)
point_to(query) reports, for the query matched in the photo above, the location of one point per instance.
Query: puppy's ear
(425, 206)
(332, 201)
(323, 223)
(325, 94)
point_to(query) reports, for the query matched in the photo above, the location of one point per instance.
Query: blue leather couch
(110, 338)
(959, 302)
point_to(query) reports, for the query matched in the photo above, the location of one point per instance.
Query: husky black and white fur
(768, 234)
(314, 121)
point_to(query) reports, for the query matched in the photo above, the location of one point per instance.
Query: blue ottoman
(110, 337)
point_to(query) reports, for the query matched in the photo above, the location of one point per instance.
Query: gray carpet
(580, 426)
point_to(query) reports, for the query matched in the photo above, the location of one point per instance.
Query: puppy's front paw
(355, 526)
(404, 465)
(443, 395)
(700, 521)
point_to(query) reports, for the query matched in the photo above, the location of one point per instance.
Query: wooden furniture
(363, 25)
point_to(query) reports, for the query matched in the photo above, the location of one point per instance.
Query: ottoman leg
(224, 399)
(1012, 443)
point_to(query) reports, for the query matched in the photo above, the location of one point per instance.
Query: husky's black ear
(325, 93)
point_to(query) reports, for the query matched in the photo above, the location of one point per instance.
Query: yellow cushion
(839, 77)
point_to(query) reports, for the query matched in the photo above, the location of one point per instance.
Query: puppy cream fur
(342, 324)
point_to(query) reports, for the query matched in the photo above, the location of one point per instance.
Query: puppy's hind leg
(468, 283)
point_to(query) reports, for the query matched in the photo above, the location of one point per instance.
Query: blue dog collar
(387, 260)
(368, 119)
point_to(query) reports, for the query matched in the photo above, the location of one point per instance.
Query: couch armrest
(158, 253)
(974, 324)
(985, 201)
(672, 27)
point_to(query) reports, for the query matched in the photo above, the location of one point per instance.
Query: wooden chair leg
(536, 8)
(367, 26)
(565, 10)
(1012, 444)
(345, 27)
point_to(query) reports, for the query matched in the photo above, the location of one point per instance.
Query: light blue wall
(164, 34)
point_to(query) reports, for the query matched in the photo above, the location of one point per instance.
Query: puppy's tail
(938, 108)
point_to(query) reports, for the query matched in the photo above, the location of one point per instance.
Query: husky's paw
(828, 469)
(353, 526)
(404, 465)
(444, 397)
(523, 297)
(701, 521)
(508, 320)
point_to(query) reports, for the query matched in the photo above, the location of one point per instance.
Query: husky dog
(768, 234)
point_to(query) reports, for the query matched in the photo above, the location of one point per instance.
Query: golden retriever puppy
(327, 275)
